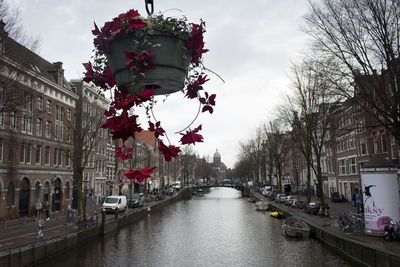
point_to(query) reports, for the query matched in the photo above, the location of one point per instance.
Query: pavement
(24, 231)
(330, 223)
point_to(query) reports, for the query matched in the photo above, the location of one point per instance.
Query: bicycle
(351, 223)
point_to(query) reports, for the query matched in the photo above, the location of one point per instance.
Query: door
(57, 195)
(24, 197)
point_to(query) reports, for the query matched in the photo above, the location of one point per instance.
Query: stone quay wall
(38, 252)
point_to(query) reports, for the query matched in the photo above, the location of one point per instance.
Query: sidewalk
(23, 231)
(330, 224)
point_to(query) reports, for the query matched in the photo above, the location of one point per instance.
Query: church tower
(217, 158)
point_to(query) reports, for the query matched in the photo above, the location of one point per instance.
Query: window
(67, 158)
(48, 129)
(67, 190)
(68, 114)
(342, 166)
(383, 142)
(56, 132)
(37, 191)
(10, 194)
(61, 113)
(38, 154)
(23, 121)
(68, 134)
(40, 103)
(48, 106)
(57, 113)
(22, 153)
(363, 147)
(393, 151)
(59, 158)
(46, 191)
(55, 156)
(376, 145)
(29, 124)
(47, 156)
(28, 153)
(13, 120)
(39, 125)
(352, 165)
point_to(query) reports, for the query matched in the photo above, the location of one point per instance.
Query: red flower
(191, 137)
(124, 23)
(195, 86)
(169, 152)
(157, 129)
(208, 102)
(196, 43)
(122, 126)
(104, 80)
(140, 174)
(123, 152)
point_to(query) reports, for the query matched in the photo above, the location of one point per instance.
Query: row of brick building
(42, 116)
(352, 139)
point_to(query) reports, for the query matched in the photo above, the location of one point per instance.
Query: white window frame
(352, 165)
(342, 166)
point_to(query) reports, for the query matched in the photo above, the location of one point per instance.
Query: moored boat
(262, 205)
(276, 214)
(251, 200)
(294, 227)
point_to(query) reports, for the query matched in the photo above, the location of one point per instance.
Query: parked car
(313, 208)
(280, 198)
(289, 200)
(170, 191)
(299, 203)
(137, 200)
(114, 204)
(177, 185)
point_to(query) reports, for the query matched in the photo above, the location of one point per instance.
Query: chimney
(60, 72)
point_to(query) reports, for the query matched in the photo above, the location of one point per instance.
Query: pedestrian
(354, 199)
(47, 209)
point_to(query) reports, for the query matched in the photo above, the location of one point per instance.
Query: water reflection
(218, 229)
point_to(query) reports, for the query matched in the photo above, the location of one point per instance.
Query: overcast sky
(251, 43)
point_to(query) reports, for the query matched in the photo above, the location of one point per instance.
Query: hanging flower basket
(137, 58)
(170, 59)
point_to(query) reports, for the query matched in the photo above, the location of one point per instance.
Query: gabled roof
(26, 58)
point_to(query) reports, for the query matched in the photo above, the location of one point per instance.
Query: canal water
(217, 229)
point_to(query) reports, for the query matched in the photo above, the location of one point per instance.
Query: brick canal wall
(356, 251)
(40, 251)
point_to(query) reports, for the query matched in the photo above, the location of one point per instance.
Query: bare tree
(86, 127)
(275, 153)
(357, 43)
(310, 114)
(188, 163)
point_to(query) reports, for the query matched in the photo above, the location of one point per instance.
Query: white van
(176, 185)
(112, 203)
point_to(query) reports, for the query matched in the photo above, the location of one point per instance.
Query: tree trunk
(80, 180)
(308, 182)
